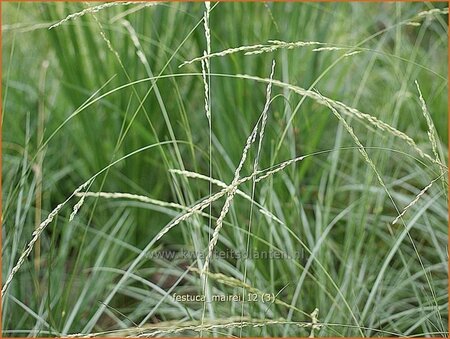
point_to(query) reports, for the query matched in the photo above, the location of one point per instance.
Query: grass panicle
(95, 9)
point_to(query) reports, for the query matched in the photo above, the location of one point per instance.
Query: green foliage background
(330, 204)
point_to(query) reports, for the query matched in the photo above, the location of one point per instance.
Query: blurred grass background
(332, 202)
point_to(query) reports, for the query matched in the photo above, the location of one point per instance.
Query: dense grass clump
(224, 169)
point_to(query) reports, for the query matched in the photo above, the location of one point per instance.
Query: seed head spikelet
(415, 200)
(98, 8)
(250, 140)
(272, 46)
(431, 132)
(36, 234)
